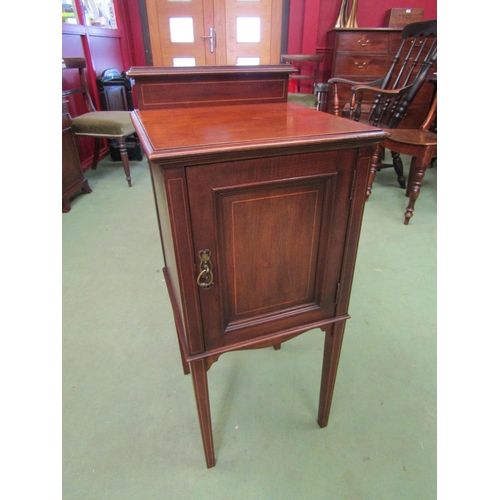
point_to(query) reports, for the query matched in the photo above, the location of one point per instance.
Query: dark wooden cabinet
(73, 180)
(364, 55)
(259, 208)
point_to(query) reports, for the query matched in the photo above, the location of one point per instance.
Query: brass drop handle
(362, 43)
(205, 279)
(360, 66)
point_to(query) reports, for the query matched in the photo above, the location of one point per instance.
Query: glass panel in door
(214, 32)
(252, 33)
(179, 32)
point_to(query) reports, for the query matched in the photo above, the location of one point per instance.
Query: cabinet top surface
(169, 71)
(383, 30)
(217, 129)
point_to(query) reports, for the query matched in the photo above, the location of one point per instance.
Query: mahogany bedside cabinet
(259, 204)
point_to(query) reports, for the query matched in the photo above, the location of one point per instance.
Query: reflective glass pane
(69, 14)
(100, 13)
(248, 29)
(181, 30)
(247, 61)
(184, 61)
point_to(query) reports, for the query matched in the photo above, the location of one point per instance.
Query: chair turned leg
(374, 165)
(417, 173)
(331, 355)
(398, 168)
(200, 383)
(124, 157)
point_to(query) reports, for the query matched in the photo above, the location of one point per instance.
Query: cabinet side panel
(354, 228)
(175, 233)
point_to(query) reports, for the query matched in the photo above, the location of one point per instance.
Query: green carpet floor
(130, 428)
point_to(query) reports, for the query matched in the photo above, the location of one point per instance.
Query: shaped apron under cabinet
(259, 204)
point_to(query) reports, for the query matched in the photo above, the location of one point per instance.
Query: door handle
(212, 39)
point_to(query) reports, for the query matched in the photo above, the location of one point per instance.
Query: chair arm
(384, 100)
(374, 83)
(356, 89)
(351, 83)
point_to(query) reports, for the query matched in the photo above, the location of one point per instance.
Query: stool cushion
(308, 100)
(104, 124)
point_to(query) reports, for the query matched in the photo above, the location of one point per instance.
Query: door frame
(285, 11)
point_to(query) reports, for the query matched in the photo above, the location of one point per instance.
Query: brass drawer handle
(360, 66)
(205, 279)
(363, 43)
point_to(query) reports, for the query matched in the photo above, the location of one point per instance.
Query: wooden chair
(421, 145)
(385, 102)
(99, 124)
(307, 66)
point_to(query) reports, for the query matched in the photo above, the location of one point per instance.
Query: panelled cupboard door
(214, 32)
(274, 229)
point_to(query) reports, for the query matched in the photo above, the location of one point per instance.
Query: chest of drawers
(72, 177)
(364, 55)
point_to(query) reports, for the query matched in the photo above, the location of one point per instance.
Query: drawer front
(396, 42)
(355, 66)
(364, 42)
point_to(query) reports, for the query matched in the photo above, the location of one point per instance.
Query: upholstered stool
(106, 125)
(308, 100)
(100, 125)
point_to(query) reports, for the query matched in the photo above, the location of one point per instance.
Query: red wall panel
(370, 14)
(106, 53)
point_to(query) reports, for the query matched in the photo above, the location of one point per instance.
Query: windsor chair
(384, 102)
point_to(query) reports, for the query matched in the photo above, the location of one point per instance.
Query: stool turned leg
(124, 158)
(333, 344)
(200, 382)
(417, 174)
(97, 151)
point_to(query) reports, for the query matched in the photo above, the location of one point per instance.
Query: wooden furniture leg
(85, 188)
(124, 157)
(200, 382)
(418, 167)
(398, 168)
(185, 364)
(97, 151)
(417, 171)
(334, 335)
(122, 147)
(374, 164)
